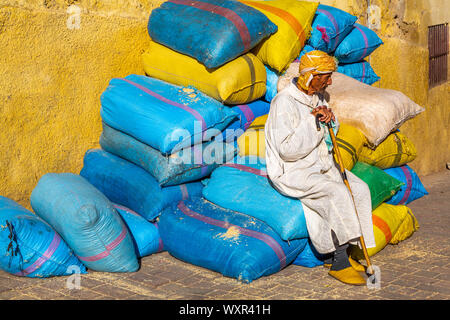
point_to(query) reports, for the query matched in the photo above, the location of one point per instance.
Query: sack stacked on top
(335, 32)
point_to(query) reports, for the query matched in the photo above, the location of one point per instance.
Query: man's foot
(355, 265)
(348, 276)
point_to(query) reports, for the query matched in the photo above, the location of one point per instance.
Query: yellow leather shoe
(355, 264)
(348, 276)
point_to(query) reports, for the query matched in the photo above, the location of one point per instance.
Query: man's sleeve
(294, 137)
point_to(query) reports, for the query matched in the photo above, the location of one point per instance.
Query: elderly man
(300, 164)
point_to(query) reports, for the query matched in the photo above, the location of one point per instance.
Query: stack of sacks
(336, 32)
(372, 147)
(241, 227)
(242, 185)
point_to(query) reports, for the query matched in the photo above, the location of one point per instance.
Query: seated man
(300, 164)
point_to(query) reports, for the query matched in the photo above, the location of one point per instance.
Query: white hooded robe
(300, 165)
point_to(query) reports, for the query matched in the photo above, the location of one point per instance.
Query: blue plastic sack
(243, 185)
(305, 49)
(86, 220)
(357, 45)
(145, 234)
(125, 183)
(271, 84)
(361, 71)
(309, 257)
(189, 164)
(162, 115)
(412, 189)
(246, 114)
(211, 31)
(37, 250)
(234, 244)
(330, 26)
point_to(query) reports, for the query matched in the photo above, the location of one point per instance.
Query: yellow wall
(52, 76)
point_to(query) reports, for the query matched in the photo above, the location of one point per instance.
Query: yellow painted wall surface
(53, 73)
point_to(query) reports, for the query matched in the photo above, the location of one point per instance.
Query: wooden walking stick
(344, 177)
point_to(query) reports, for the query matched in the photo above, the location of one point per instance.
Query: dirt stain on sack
(232, 233)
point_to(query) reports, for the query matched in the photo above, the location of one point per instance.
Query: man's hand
(326, 114)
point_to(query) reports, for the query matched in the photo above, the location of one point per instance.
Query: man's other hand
(326, 114)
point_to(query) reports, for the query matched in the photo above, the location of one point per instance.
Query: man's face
(320, 81)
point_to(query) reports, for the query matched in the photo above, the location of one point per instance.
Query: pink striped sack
(86, 220)
(29, 247)
(234, 244)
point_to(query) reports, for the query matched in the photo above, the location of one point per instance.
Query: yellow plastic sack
(293, 19)
(391, 224)
(253, 141)
(396, 150)
(350, 142)
(237, 82)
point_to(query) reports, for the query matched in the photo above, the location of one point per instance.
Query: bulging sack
(164, 116)
(391, 224)
(234, 244)
(374, 111)
(29, 247)
(239, 81)
(145, 234)
(253, 141)
(212, 31)
(127, 184)
(361, 71)
(357, 45)
(86, 220)
(329, 27)
(396, 150)
(412, 189)
(381, 185)
(189, 164)
(350, 142)
(293, 19)
(242, 185)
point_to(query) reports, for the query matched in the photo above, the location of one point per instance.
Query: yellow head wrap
(312, 63)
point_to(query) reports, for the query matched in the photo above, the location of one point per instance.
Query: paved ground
(417, 268)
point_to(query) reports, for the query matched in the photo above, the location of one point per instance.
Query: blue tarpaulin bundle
(242, 185)
(86, 220)
(190, 164)
(361, 71)
(30, 247)
(357, 45)
(145, 234)
(162, 115)
(330, 26)
(232, 243)
(124, 183)
(412, 189)
(211, 31)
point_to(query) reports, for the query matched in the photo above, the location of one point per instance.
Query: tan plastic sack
(376, 112)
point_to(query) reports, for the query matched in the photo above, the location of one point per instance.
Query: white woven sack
(376, 112)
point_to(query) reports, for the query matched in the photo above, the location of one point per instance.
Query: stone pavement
(417, 268)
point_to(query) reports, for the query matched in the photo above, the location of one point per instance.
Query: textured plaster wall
(56, 60)
(51, 80)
